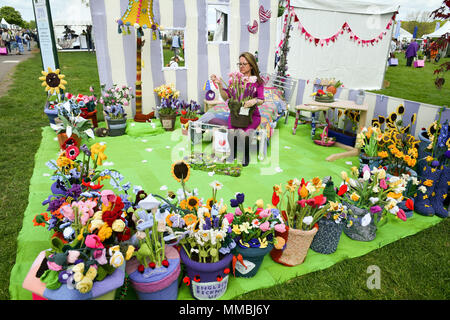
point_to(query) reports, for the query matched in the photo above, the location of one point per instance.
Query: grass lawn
(416, 267)
(416, 84)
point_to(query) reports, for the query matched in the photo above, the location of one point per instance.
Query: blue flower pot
(252, 258)
(372, 162)
(422, 152)
(327, 238)
(346, 139)
(52, 114)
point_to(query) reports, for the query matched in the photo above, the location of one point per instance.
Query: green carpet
(145, 159)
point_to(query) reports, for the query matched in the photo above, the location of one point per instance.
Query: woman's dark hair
(253, 64)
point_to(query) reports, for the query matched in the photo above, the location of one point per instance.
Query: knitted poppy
(69, 142)
(124, 235)
(72, 152)
(343, 189)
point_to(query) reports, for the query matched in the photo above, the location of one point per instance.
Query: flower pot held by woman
(236, 118)
(158, 283)
(208, 281)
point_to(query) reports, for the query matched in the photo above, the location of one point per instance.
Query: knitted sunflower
(400, 110)
(53, 81)
(181, 171)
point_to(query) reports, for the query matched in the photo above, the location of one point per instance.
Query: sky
(77, 11)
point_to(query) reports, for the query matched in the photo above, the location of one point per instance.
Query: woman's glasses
(241, 64)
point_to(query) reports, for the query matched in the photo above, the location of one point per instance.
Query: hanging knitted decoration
(254, 28)
(139, 14)
(264, 15)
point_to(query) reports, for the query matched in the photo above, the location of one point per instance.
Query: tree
(443, 12)
(11, 15)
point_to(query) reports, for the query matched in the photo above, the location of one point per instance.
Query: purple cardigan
(256, 117)
(412, 49)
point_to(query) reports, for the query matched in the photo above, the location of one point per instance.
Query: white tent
(439, 32)
(356, 65)
(5, 24)
(404, 35)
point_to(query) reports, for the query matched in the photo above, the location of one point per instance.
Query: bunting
(326, 41)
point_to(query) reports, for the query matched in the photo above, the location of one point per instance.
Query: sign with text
(45, 32)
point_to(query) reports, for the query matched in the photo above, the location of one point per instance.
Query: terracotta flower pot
(168, 121)
(159, 283)
(90, 115)
(62, 137)
(297, 245)
(208, 281)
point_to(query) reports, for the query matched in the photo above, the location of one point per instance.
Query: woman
(248, 67)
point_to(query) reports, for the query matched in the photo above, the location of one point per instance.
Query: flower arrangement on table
(167, 91)
(439, 136)
(373, 192)
(90, 225)
(72, 123)
(331, 88)
(116, 95)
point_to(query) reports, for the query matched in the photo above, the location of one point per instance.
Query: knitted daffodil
(53, 81)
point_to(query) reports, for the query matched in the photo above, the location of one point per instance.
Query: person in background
(393, 47)
(27, 39)
(411, 52)
(6, 38)
(248, 67)
(176, 44)
(173, 63)
(426, 49)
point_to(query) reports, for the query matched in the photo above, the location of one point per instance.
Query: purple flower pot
(159, 283)
(208, 281)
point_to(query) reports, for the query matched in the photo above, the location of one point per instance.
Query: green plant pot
(117, 127)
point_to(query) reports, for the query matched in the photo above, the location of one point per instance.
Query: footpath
(8, 64)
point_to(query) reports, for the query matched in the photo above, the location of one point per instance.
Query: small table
(344, 105)
(313, 110)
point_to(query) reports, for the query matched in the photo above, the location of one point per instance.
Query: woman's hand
(249, 103)
(216, 80)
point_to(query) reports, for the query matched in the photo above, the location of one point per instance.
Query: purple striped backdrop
(179, 21)
(155, 58)
(264, 38)
(98, 12)
(202, 50)
(129, 51)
